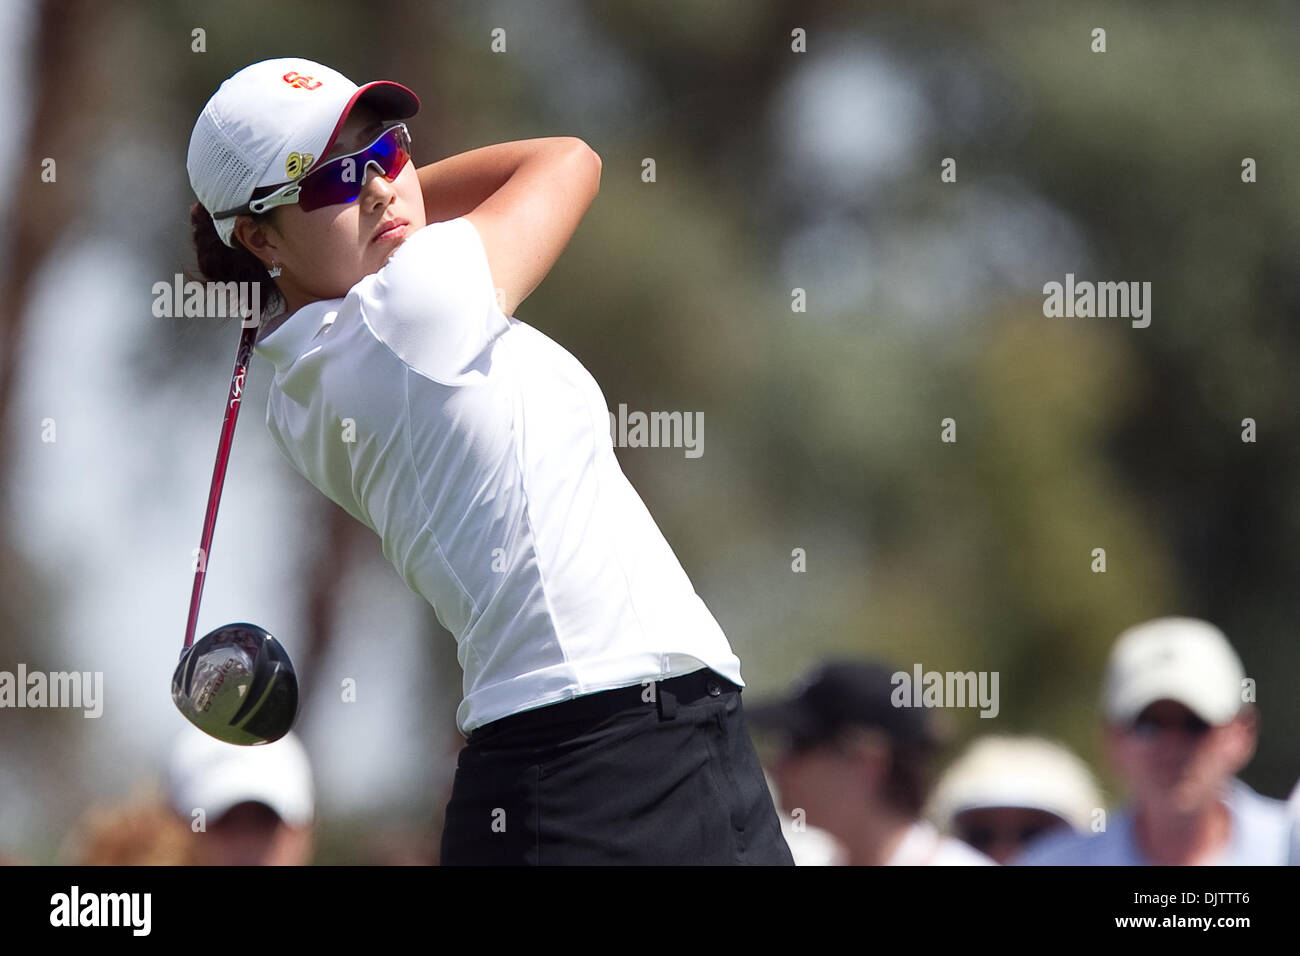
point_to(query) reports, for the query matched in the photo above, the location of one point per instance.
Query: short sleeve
(433, 304)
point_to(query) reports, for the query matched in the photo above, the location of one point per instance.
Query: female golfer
(601, 699)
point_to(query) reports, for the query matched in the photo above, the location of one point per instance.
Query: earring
(274, 271)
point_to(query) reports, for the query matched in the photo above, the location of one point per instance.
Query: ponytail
(219, 262)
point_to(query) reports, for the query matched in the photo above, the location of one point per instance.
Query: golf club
(237, 682)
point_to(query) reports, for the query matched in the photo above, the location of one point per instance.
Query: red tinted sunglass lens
(340, 180)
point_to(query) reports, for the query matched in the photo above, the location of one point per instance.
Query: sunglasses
(338, 181)
(1148, 727)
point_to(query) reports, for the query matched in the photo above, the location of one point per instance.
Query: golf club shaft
(242, 358)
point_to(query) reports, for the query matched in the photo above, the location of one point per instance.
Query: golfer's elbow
(589, 163)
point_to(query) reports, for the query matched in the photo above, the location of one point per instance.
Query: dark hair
(219, 262)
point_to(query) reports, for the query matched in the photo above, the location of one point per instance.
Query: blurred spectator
(1178, 733)
(143, 831)
(858, 766)
(1004, 792)
(257, 802)
(398, 847)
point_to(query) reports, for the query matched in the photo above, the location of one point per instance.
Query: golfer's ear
(257, 238)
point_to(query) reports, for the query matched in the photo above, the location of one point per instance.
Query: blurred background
(775, 170)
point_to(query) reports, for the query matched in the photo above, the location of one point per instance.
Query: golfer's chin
(379, 254)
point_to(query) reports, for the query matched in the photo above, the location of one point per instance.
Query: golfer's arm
(525, 198)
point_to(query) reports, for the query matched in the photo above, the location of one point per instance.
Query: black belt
(686, 689)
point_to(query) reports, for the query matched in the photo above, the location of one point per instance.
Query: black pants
(654, 774)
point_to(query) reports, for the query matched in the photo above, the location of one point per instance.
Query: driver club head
(237, 684)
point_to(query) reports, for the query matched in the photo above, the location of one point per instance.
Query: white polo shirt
(1259, 835)
(479, 451)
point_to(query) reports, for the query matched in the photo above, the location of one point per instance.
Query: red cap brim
(391, 100)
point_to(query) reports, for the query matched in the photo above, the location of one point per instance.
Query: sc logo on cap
(295, 164)
(300, 82)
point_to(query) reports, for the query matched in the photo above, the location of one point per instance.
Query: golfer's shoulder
(441, 267)
(433, 304)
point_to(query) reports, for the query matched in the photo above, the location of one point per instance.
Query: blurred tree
(64, 61)
(823, 427)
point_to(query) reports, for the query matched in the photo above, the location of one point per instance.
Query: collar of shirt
(286, 343)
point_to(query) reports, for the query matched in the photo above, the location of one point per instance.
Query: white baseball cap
(267, 124)
(212, 775)
(1028, 772)
(1173, 658)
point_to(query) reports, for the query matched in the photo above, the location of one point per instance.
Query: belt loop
(667, 703)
